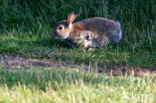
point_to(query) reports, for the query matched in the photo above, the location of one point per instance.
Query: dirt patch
(128, 70)
(10, 62)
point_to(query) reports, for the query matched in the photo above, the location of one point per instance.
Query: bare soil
(11, 62)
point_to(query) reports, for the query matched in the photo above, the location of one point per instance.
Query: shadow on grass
(13, 46)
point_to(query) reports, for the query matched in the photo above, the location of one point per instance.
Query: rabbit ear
(71, 18)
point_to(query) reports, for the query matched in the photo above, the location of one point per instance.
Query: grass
(25, 28)
(73, 86)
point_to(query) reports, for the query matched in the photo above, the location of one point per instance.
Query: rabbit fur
(88, 33)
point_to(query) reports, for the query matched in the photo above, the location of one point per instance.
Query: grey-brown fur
(91, 32)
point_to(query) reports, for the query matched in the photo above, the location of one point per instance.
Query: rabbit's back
(99, 25)
(103, 27)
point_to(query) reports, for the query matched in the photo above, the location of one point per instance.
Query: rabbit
(88, 33)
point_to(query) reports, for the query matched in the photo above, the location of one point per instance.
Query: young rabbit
(88, 33)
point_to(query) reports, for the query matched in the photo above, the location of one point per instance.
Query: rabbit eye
(60, 27)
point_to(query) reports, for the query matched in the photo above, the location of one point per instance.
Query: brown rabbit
(88, 33)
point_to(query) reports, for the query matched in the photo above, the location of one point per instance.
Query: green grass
(73, 86)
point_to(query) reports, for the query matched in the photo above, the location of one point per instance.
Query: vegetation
(73, 86)
(25, 27)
